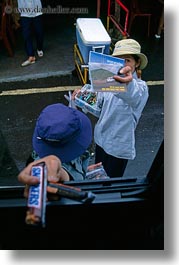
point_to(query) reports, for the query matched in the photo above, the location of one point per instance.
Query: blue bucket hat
(62, 131)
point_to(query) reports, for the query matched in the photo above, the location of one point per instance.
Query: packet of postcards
(86, 99)
(102, 68)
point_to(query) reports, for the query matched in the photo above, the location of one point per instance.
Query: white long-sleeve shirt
(120, 113)
(29, 8)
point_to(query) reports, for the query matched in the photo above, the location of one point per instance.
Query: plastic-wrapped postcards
(97, 173)
(86, 100)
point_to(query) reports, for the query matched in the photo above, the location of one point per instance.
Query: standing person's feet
(40, 53)
(30, 60)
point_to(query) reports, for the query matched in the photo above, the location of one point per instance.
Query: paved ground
(59, 38)
(18, 112)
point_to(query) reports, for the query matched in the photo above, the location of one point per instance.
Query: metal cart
(119, 20)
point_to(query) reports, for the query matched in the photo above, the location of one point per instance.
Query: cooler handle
(99, 47)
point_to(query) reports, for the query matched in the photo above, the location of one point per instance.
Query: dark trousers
(32, 27)
(113, 166)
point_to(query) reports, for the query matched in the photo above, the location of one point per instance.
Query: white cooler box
(91, 36)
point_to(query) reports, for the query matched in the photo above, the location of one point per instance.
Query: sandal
(40, 53)
(28, 62)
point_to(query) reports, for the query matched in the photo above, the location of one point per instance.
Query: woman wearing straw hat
(114, 133)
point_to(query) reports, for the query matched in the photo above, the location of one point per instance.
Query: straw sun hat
(130, 46)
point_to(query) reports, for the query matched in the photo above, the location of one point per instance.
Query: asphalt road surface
(18, 114)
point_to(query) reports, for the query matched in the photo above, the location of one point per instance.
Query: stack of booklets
(102, 68)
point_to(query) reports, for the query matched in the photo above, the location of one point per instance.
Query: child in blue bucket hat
(62, 131)
(61, 138)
